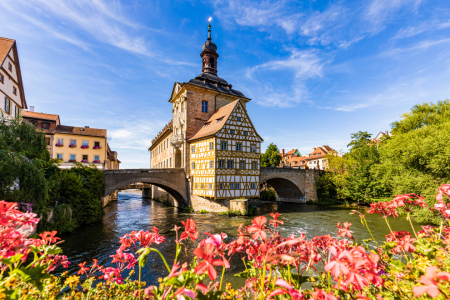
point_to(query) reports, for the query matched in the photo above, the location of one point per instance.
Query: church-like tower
(209, 55)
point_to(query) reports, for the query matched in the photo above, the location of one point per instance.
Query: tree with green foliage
(27, 174)
(23, 154)
(272, 157)
(416, 158)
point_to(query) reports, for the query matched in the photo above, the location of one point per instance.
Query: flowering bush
(72, 160)
(96, 161)
(84, 160)
(96, 147)
(59, 145)
(84, 146)
(72, 146)
(276, 267)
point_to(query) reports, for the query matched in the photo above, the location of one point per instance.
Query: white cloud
(296, 68)
(423, 45)
(380, 10)
(95, 17)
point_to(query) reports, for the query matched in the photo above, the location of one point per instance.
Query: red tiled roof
(222, 113)
(81, 131)
(38, 115)
(5, 47)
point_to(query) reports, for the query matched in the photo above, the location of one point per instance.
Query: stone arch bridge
(291, 185)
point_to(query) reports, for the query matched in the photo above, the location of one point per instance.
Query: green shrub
(269, 195)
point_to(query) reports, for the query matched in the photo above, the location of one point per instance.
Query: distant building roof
(5, 47)
(38, 115)
(81, 131)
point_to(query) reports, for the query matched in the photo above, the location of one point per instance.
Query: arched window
(211, 62)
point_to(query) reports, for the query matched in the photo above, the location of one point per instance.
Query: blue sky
(316, 71)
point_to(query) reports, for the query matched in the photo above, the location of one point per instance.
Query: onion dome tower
(209, 55)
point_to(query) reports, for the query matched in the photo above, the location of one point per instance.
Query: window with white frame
(73, 142)
(193, 149)
(204, 106)
(230, 164)
(223, 146)
(211, 146)
(238, 147)
(242, 164)
(211, 164)
(254, 165)
(85, 143)
(97, 157)
(59, 156)
(252, 185)
(72, 156)
(231, 186)
(221, 164)
(237, 186)
(7, 105)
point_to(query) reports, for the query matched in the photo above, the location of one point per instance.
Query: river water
(131, 212)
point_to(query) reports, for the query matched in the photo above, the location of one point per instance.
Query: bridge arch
(291, 185)
(172, 180)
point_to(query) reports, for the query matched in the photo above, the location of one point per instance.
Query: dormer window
(14, 90)
(10, 67)
(206, 124)
(219, 119)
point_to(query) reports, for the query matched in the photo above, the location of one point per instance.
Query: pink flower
(293, 293)
(430, 286)
(275, 220)
(190, 230)
(182, 291)
(207, 253)
(257, 229)
(344, 231)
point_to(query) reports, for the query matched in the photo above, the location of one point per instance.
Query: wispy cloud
(380, 10)
(96, 18)
(297, 68)
(423, 45)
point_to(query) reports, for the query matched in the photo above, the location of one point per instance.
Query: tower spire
(209, 32)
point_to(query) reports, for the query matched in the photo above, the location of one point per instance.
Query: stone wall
(162, 195)
(109, 198)
(199, 203)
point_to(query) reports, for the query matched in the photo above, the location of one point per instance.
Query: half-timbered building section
(226, 155)
(203, 167)
(11, 85)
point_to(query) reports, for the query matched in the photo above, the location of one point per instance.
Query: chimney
(282, 152)
(387, 132)
(312, 149)
(32, 108)
(86, 126)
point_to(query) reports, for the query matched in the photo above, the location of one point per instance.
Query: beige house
(72, 144)
(11, 85)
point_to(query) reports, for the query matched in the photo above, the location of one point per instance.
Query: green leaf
(35, 276)
(12, 260)
(242, 274)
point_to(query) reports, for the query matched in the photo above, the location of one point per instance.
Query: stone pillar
(239, 205)
(111, 197)
(147, 193)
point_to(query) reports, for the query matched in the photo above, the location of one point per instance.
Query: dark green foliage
(325, 187)
(272, 157)
(269, 195)
(27, 174)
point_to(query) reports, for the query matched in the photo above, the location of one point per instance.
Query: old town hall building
(211, 135)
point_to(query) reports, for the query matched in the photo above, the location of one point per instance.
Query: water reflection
(131, 212)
